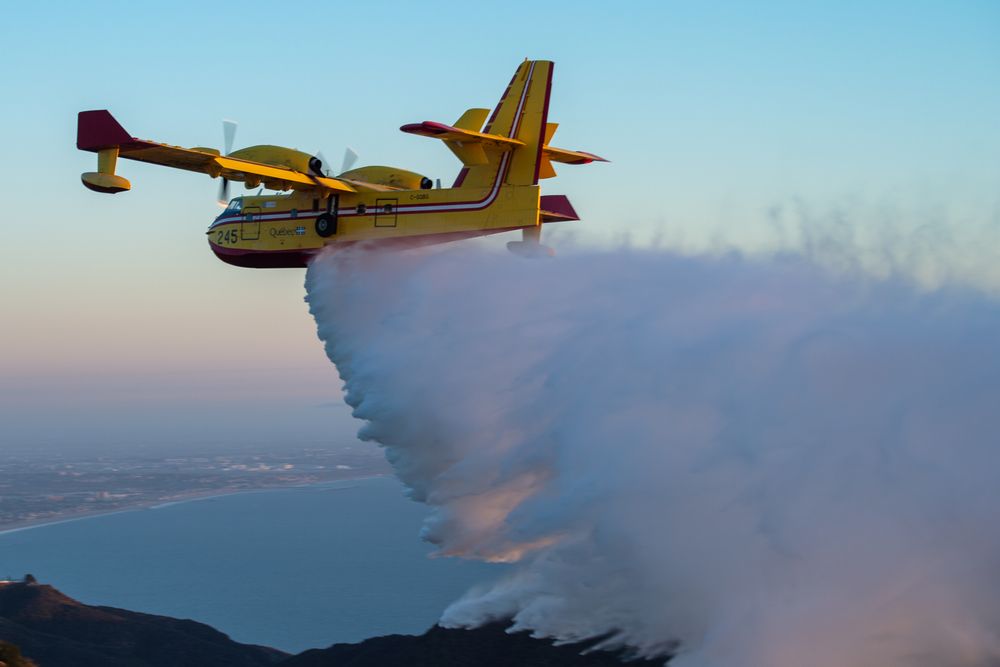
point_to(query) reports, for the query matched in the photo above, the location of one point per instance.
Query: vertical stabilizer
(521, 114)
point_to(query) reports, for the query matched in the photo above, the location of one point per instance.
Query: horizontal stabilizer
(552, 154)
(468, 145)
(570, 157)
(435, 130)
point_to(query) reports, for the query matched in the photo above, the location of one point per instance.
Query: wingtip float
(504, 154)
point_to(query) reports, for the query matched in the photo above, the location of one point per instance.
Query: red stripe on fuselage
(290, 259)
(545, 120)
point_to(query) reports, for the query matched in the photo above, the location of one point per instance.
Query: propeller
(324, 169)
(228, 137)
(318, 164)
(321, 166)
(350, 157)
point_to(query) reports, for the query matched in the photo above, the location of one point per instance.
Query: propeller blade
(350, 157)
(324, 165)
(223, 191)
(228, 135)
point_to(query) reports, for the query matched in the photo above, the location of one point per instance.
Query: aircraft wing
(99, 131)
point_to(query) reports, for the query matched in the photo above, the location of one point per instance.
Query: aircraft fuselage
(274, 231)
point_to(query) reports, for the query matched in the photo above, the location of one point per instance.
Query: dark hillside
(488, 646)
(55, 630)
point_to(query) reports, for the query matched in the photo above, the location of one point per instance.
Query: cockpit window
(235, 205)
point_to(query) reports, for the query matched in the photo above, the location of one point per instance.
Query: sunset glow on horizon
(731, 127)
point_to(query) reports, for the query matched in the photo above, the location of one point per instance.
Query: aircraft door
(385, 212)
(250, 227)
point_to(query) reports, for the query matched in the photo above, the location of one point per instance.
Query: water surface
(291, 568)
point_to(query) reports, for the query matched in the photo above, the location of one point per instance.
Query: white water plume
(756, 462)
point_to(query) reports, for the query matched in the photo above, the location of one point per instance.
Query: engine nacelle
(391, 176)
(279, 156)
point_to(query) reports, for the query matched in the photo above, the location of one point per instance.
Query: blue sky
(712, 114)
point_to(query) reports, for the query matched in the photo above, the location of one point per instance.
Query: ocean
(291, 568)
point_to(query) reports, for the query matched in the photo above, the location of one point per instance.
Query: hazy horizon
(730, 126)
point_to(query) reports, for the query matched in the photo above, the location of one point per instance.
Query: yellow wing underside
(208, 161)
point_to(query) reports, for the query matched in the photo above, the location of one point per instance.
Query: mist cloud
(758, 463)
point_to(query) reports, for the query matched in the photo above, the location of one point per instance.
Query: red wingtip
(594, 158)
(427, 128)
(98, 129)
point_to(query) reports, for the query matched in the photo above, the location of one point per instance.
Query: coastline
(162, 503)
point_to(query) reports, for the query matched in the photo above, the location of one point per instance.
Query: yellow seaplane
(503, 154)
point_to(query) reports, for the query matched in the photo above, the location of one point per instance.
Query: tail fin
(522, 114)
(512, 138)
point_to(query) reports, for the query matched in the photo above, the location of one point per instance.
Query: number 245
(229, 236)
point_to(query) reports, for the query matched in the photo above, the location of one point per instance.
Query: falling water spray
(749, 463)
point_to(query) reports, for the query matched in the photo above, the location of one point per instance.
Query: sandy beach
(66, 517)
